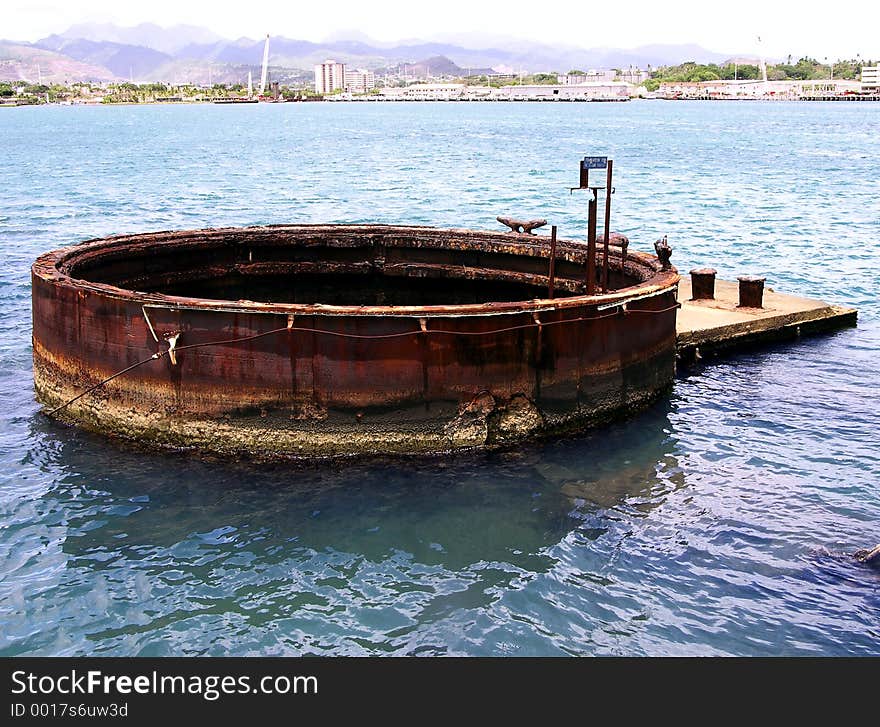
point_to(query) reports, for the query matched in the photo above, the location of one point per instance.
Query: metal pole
(592, 212)
(607, 225)
(552, 260)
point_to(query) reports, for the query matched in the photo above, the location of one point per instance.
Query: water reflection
(344, 557)
(491, 503)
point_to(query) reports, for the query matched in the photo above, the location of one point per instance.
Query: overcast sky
(835, 30)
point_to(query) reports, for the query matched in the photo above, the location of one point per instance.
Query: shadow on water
(477, 506)
(324, 546)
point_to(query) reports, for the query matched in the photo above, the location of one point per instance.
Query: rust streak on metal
(402, 329)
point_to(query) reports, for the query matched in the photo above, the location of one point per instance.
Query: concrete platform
(707, 326)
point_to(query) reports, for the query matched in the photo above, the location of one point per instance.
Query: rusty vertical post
(751, 291)
(591, 243)
(607, 231)
(703, 283)
(552, 275)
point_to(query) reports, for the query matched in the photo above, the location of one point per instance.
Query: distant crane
(265, 75)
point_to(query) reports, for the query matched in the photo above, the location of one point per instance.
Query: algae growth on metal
(323, 340)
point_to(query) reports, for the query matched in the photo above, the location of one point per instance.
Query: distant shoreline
(826, 99)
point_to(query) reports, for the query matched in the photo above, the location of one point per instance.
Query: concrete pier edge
(719, 325)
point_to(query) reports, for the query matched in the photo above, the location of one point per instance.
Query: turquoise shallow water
(718, 522)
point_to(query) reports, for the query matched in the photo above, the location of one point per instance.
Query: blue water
(718, 522)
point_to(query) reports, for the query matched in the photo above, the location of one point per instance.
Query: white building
(602, 91)
(610, 91)
(779, 90)
(871, 78)
(359, 81)
(580, 79)
(635, 76)
(425, 92)
(329, 77)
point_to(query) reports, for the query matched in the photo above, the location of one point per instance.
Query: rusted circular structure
(322, 340)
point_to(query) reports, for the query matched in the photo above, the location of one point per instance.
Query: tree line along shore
(17, 93)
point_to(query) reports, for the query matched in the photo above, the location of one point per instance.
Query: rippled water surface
(718, 522)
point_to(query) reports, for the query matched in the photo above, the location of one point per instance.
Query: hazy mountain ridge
(121, 59)
(148, 52)
(27, 63)
(149, 35)
(437, 65)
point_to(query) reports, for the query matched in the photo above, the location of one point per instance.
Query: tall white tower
(762, 64)
(265, 66)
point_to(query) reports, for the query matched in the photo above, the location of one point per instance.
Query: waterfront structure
(424, 92)
(608, 91)
(392, 339)
(329, 77)
(359, 81)
(605, 91)
(871, 79)
(758, 89)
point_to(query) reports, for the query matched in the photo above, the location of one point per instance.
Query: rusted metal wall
(327, 379)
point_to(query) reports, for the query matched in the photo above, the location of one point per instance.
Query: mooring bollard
(751, 291)
(703, 283)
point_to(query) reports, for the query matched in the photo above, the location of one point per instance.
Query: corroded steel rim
(222, 376)
(55, 266)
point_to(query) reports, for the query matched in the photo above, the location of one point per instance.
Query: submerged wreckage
(322, 340)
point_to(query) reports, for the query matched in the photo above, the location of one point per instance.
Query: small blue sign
(594, 163)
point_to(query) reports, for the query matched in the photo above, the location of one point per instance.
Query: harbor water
(721, 521)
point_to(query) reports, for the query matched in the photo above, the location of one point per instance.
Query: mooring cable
(157, 355)
(242, 339)
(231, 340)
